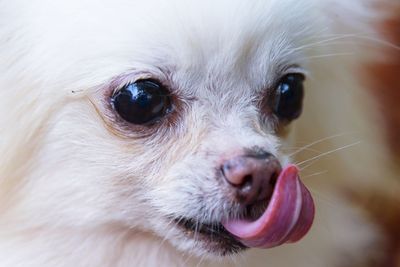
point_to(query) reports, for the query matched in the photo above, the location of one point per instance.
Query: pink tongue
(287, 219)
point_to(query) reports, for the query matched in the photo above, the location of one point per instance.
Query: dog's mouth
(286, 217)
(213, 234)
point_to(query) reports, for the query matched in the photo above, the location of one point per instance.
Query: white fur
(78, 190)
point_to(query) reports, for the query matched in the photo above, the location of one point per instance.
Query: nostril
(248, 179)
(237, 172)
(247, 184)
(251, 179)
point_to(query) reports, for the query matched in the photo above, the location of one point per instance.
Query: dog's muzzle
(290, 211)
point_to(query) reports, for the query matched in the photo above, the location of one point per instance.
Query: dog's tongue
(287, 219)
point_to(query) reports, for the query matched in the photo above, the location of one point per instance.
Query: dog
(174, 133)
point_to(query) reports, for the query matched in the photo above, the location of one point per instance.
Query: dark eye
(142, 102)
(289, 97)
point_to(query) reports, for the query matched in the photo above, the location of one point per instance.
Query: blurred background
(385, 87)
(364, 135)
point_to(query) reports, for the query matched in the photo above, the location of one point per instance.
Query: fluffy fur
(78, 187)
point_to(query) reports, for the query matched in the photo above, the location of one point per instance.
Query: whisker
(170, 230)
(324, 41)
(352, 39)
(318, 195)
(188, 258)
(239, 260)
(317, 142)
(314, 174)
(380, 41)
(196, 231)
(329, 55)
(299, 147)
(201, 261)
(308, 165)
(328, 152)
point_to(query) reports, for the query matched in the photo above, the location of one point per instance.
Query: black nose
(252, 177)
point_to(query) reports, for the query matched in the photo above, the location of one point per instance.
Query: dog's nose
(252, 176)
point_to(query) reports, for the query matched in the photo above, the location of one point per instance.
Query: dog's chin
(212, 238)
(204, 240)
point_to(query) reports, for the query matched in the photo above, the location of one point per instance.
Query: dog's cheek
(83, 175)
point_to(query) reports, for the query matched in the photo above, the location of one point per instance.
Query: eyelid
(293, 69)
(123, 82)
(120, 81)
(274, 78)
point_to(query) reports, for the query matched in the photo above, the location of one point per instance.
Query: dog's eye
(289, 97)
(142, 102)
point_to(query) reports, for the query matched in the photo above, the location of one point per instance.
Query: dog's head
(164, 116)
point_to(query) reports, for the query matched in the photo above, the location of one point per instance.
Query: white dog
(156, 133)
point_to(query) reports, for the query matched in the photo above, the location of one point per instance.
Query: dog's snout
(252, 177)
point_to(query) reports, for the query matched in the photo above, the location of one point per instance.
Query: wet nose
(252, 176)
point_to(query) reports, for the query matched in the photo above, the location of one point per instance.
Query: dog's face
(159, 112)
